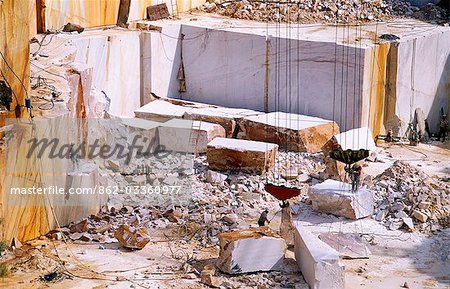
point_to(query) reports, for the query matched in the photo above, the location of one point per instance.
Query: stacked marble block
(241, 155)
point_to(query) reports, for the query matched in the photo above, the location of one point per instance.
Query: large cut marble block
(236, 154)
(290, 131)
(320, 264)
(337, 198)
(188, 136)
(226, 117)
(251, 250)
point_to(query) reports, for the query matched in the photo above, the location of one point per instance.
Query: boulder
(207, 276)
(319, 263)
(131, 237)
(420, 216)
(164, 109)
(337, 198)
(250, 250)
(290, 131)
(79, 227)
(333, 168)
(141, 133)
(215, 177)
(236, 155)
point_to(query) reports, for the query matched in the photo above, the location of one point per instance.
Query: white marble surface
(308, 73)
(355, 139)
(241, 145)
(253, 254)
(338, 199)
(319, 263)
(115, 58)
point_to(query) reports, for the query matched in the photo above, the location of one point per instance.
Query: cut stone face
(294, 132)
(337, 198)
(226, 117)
(349, 246)
(251, 250)
(160, 110)
(319, 263)
(236, 154)
(355, 139)
(164, 109)
(188, 136)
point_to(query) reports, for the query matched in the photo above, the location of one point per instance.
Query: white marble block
(236, 154)
(251, 250)
(337, 198)
(319, 263)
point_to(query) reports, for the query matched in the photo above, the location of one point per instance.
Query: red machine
(282, 193)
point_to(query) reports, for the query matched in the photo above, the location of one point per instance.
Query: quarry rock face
(293, 132)
(337, 198)
(251, 250)
(319, 263)
(235, 154)
(188, 136)
(131, 237)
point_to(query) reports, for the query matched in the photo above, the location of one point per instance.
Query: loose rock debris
(406, 195)
(313, 11)
(230, 202)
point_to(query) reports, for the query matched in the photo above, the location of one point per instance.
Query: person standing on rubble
(355, 175)
(443, 127)
(263, 218)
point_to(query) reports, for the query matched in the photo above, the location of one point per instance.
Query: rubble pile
(406, 196)
(309, 11)
(429, 12)
(221, 202)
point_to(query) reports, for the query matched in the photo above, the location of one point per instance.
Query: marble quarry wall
(14, 40)
(244, 70)
(14, 47)
(423, 78)
(353, 84)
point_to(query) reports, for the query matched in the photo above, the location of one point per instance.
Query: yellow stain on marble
(378, 91)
